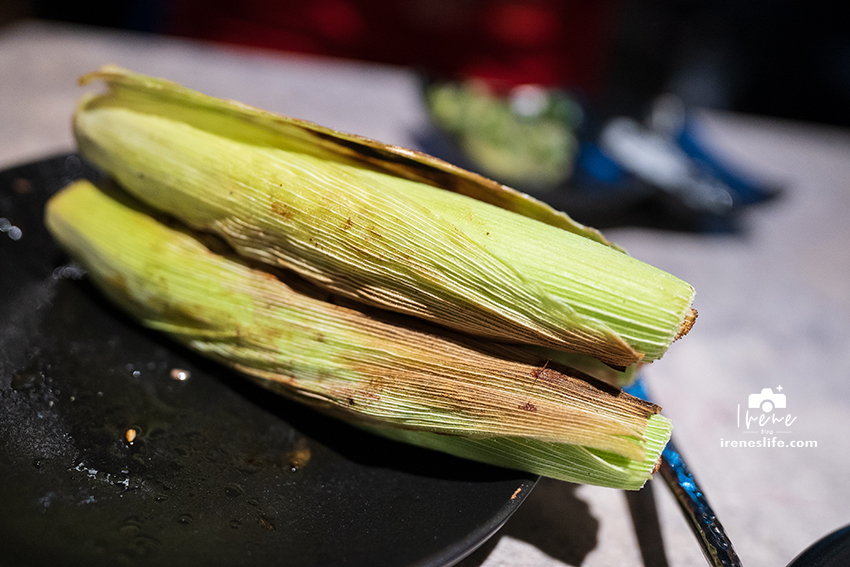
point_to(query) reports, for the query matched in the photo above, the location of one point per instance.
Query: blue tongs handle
(715, 543)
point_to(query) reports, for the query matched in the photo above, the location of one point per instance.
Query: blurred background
(586, 105)
(783, 58)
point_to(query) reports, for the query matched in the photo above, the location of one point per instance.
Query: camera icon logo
(767, 400)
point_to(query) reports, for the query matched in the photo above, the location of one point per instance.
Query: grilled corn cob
(390, 373)
(380, 224)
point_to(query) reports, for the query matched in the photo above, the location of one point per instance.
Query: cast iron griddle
(221, 472)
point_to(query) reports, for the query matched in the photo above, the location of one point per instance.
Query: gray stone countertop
(774, 302)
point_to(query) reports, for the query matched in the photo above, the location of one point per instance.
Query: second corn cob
(396, 376)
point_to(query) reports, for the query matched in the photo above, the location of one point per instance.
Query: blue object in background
(592, 161)
(745, 191)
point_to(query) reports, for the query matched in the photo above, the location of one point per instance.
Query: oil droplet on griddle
(131, 434)
(141, 546)
(299, 457)
(131, 526)
(180, 374)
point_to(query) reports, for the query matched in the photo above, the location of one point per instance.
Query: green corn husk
(379, 224)
(392, 374)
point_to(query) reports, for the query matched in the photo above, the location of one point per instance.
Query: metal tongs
(709, 532)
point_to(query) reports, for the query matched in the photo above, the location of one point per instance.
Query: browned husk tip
(687, 324)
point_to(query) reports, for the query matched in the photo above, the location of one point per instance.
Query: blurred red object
(506, 42)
